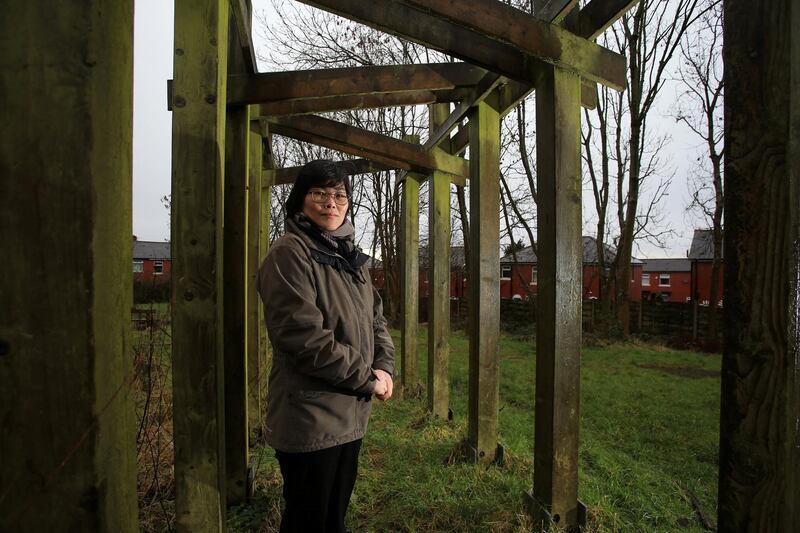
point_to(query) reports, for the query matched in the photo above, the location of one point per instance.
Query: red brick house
(458, 282)
(669, 280)
(151, 261)
(520, 279)
(701, 256)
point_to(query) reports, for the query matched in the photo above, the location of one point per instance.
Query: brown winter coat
(328, 334)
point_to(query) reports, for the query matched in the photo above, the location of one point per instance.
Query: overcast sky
(153, 40)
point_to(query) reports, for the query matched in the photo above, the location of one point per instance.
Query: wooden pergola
(65, 331)
(221, 118)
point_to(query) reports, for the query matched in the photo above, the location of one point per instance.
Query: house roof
(527, 255)
(457, 257)
(678, 264)
(702, 247)
(373, 263)
(151, 250)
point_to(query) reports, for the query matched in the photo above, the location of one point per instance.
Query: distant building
(152, 261)
(668, 280)
(520, 279)
(458, 269)
(701, 256)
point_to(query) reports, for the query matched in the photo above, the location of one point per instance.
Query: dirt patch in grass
(690, 372)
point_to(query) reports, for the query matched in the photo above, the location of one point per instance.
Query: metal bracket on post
(464, 452)
(542, 517)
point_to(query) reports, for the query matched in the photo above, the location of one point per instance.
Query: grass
(649, 438)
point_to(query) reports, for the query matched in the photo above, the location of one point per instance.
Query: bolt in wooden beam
(438, 280)
(198, 154)
(409, 276)
(484, 281)
(67, 451)
(558, 324)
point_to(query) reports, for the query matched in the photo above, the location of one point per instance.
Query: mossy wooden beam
(558, 315)
(487, 33)
(352, 167)
(346, 103)
(267, 183)
(255, 402)
(67, 451)
(484, 282)
(198, 155)
(439, 279)
(351, 81)
(759, 447)
(409, 276)
(374, 146)
(237, 173)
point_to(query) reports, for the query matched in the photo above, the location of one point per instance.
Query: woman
(331, 350)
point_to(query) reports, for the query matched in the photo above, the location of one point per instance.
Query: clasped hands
(384, 385)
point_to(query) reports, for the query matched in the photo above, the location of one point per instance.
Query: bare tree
(649, 36)
(701, 110)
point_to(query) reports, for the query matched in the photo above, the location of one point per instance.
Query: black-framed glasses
(320, 197)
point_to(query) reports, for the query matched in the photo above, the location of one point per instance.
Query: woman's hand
(385, 378)
(380, 387)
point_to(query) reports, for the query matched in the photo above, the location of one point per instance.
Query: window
(138, 265)
(645, 280)
(663, 280)
(505, 271)
(534, 276)
(158, 267)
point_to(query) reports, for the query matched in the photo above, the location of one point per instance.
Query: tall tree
(700, 109)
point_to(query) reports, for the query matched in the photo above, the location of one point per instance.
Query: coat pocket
(322, 415)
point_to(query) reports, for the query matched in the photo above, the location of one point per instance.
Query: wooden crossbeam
(548, 42)
(553, 10)
(374, 146)
(352, 167)
(307, 106)
(270, 86)
(598, 15)
(240, 9)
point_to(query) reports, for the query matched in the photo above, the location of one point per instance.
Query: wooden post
(484, 280)
(759, 460)
(409, 276)
(67, 454)
(438, 280)
(558, 325)
(237, 174)
(255, 402)
(198, 153)
(267, 183)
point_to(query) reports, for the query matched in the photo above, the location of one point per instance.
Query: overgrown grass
(649, 438)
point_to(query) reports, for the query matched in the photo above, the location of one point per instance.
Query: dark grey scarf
(339, 241)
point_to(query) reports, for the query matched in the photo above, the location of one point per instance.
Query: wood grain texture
(759, 445)
(438, 280)
(352, 167)
(255, 401)
(409, 277)
(558, 330)
(67, 451)
(198, 154)
(484, 281)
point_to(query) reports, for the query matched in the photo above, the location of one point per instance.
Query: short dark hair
(317, 173)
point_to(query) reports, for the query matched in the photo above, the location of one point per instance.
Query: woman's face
(322, 206)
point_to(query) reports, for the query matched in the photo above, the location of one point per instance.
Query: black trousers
(317, 488)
